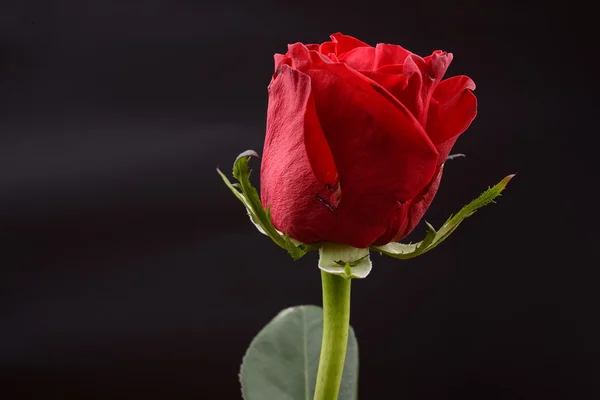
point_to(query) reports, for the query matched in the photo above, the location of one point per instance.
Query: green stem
(336, 322)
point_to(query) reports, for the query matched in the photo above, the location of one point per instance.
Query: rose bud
(356, 139)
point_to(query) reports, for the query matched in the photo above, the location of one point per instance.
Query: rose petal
(298, 206)
(318, 151)
(328, 48)
(410, 213)
(423, 76)
(372, 58)
(390, 77)
(452, 110)
(341, 44)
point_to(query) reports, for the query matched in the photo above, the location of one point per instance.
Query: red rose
(357, 137)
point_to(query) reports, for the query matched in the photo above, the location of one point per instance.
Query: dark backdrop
(128, 269)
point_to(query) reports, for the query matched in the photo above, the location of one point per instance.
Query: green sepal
(433, 237)
(345, 261)
(261, 218)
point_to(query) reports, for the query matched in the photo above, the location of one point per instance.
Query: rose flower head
(357, 137)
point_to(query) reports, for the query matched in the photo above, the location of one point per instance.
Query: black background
(130, 271)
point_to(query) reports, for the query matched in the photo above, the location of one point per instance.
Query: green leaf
(345, 261)
(260, 217)
(433, 237)
(282, 360)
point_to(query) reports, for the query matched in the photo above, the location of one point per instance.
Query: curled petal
(423, 75)
(372, 58)
(294, 188)
(453, 108)
(278, 58)
(341, 44)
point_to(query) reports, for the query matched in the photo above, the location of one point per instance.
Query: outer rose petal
(452, 111)
(381, 152)
(410, 213)
(372, 58)
(419, 205)
(289, 184)
(318, 151)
